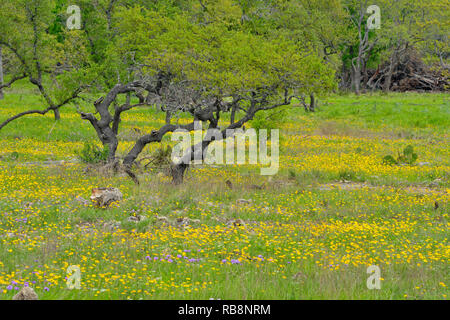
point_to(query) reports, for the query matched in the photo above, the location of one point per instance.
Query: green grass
(332, 210)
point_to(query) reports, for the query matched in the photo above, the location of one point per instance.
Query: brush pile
(409, 73)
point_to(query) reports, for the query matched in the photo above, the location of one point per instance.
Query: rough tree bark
(206, 114)
(107, 126)
(312, 104)
(57, 114)
(154, 136)
(201, 109)
(356, 72)
(388, 78)
(198, 151)
(364, 48)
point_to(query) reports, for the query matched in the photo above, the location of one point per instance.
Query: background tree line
(335, 29)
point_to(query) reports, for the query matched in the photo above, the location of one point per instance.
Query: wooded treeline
(410, 50)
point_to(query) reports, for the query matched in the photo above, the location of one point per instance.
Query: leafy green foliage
(91, 153)
(161, 156)
(269, 120)
(45, 47)
(217, 60)
(389, 160)
(347, 175)
(408, 156)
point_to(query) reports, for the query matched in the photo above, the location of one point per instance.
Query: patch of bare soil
(346, 186)
(357, 186)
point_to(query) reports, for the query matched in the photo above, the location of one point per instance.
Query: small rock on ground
(26, 293)
(103, 197)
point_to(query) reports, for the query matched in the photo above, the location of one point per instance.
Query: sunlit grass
(332, 210)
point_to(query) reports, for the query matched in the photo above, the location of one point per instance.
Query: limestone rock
(137, 218)
(236, 223)
(103, 197)
(112, 226)
(26, 293)
(243, 201)
(184, 222)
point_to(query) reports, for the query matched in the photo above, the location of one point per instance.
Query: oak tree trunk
(312, 104)
(178, 172)
(356, 81)
(57, 114)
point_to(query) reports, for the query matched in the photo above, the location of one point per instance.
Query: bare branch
(14, 79)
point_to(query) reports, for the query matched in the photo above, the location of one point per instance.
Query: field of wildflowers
(309, 232)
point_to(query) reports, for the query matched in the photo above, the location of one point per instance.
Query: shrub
(162, 156)
(91, 153)
(347, 175)
(389, 160)
(408, 156)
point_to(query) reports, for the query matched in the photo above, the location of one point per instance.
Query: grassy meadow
(309, 232)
